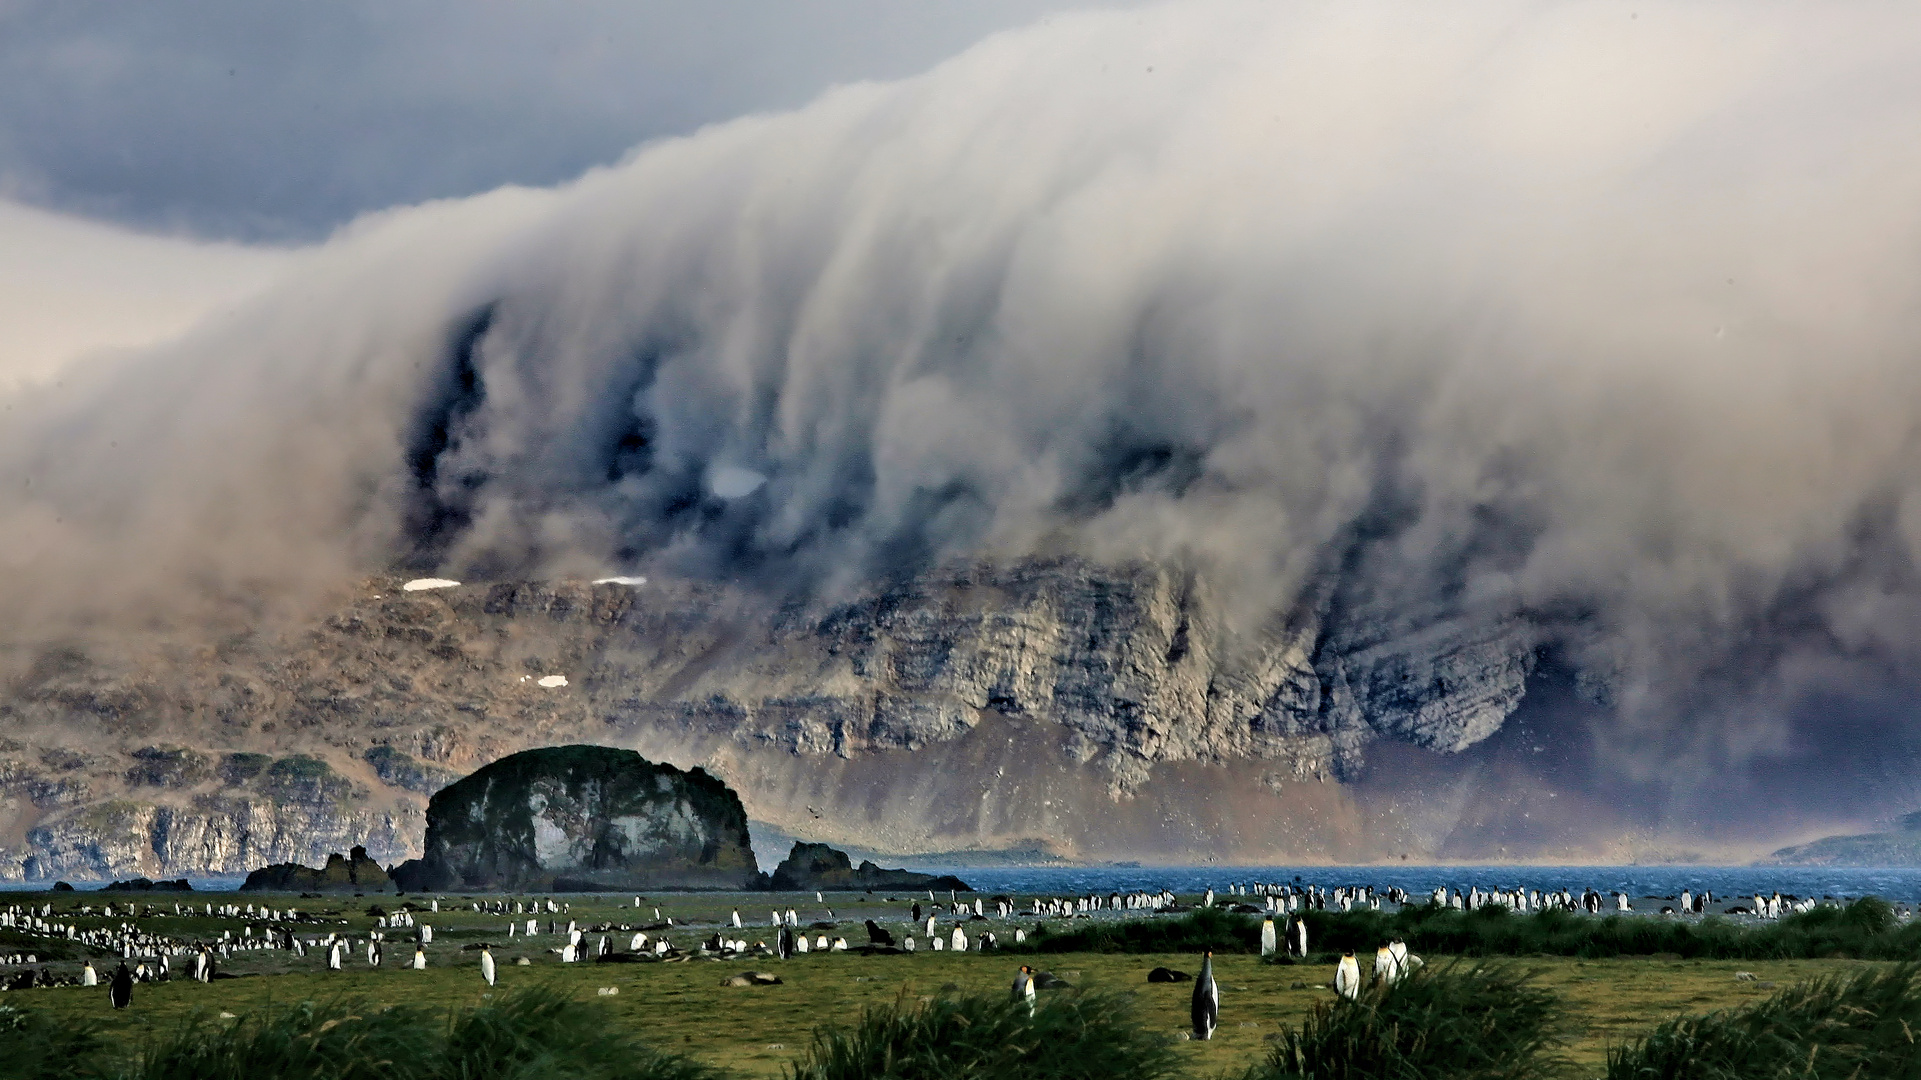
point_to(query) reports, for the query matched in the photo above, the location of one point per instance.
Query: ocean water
(1899, 884)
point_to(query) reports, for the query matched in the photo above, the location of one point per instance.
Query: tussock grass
(1460, 1021)
(1071, 1036)
(34, 1045)
(1865, 929)
(1198, 931)
(1860, 1027)
(532, 1034)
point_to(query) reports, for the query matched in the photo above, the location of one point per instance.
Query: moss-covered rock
(583, 818)
(817, 866)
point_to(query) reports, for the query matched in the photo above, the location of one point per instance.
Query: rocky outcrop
(974, 707)
(817, 866)
(583, 818)
(148, 885)
(356, 873)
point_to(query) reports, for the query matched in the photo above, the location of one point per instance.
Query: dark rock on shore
(583, 819)
(356, 873)
(817, 866)
(141, 884)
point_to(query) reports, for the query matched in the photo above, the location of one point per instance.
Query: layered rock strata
(1102, 708)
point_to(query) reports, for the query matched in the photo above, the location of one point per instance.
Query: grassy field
(756, 1031)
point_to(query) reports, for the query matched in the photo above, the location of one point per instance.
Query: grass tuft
(532, 1034)
(1072, 1035)
(1859, 1027)
(1459, 1022)
(34, 1045)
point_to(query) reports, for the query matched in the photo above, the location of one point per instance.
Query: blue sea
(1899, 884)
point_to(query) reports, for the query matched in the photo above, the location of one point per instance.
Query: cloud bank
(1586, 317)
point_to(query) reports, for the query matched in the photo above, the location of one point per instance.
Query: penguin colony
(136, 933)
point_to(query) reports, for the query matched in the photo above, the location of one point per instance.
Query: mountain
(1901, 847)
(1102, 707)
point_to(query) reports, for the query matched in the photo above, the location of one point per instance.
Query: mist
(1590, 322)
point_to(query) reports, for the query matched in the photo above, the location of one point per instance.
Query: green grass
(1860, 1027)
(1071, 1036)
(1460, 1022)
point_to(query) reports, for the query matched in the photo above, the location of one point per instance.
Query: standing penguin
(420, 958)
(373, 954)
(960, 940)
(1401, 967)
(120, 991)
(1024, 988)
(1207, 1000)
(1300, 937)
(784, 943)
(487, 965)
(1267, 937)
(1347, 977)
(1385, 966)
(333, 957)
(88, 977)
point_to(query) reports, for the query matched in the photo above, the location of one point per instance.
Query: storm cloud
(1590, 319)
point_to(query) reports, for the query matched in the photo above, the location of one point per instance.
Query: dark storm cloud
(243, 119)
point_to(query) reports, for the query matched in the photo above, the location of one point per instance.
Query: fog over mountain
(1583, 332)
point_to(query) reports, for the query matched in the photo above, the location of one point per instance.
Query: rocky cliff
(583, 818)
(1093, 711)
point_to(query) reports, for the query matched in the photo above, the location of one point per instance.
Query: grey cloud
(280, 121)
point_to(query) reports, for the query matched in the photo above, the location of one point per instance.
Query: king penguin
(1384, 966)
(487, 965)
(1347, 977)
(120, 991)
(420, 958)
(784, 943)
(88, 977)
(1024, 988)
(1207, 1000)
(1267, 937)
(1300, 937)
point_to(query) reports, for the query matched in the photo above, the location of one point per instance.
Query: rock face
(817, 866)
(356, 873)
(583, 818)
(1094, 711)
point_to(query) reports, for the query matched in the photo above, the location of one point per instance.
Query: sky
(159, 161)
